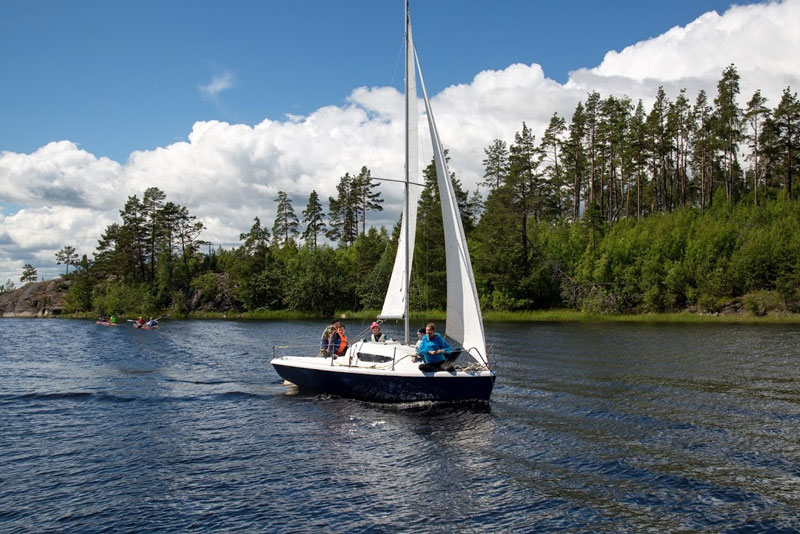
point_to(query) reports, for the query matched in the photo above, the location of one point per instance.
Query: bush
(121, 299)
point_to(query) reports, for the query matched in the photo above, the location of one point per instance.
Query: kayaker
(139, 322)
(152, 322)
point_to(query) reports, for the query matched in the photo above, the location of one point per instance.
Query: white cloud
(217, 84)
(762, 40)
(226, 174)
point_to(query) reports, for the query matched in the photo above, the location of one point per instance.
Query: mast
(409, 67)
(395, 304)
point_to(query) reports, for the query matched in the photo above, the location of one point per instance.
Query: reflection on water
(591, 428)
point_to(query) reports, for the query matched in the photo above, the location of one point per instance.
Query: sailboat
(385, 371)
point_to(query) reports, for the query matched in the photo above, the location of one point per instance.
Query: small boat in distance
(105, 323)
(386, 371)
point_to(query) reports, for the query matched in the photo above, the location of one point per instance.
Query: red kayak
(145, 327)
(105, 323)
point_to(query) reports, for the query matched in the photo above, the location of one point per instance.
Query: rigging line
(400, 56)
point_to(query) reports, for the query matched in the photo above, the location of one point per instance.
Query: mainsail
(464, 320)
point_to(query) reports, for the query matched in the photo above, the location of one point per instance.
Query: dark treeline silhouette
(687, 205)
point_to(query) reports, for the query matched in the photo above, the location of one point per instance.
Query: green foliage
(316, 282)
(79, 296)
(109, 298)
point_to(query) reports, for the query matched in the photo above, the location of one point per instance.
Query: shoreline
(538, 316)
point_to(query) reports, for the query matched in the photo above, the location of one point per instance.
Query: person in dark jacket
(326, 337)
(338, 342)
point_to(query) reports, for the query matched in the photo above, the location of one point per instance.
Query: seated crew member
(376, 334)
(433, 349)
(338, 342)
(326, 337)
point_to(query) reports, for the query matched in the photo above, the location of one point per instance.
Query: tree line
(686, 205)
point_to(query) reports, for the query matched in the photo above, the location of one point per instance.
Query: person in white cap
(376, 335)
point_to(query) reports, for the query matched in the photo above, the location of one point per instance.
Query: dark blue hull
(390, 388)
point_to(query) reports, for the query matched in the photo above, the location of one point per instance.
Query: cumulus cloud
(762, 40)
(226, 174)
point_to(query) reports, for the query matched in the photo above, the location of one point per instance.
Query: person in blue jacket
(432, 349)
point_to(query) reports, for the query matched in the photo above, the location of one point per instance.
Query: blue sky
(223, 104)
(115, 77)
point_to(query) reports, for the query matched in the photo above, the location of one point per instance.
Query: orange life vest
(342, 345)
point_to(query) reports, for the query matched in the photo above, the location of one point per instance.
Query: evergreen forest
(687, 205)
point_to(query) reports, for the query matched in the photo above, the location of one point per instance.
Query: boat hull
(388, 386)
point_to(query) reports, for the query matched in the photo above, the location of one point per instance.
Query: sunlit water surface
(591, 428)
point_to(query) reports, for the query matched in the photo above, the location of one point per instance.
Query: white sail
(464, 319)
(395, 305)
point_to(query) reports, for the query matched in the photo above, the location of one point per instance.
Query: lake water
(591, 428)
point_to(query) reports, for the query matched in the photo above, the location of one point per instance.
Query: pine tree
(312, 219)
(679, 126)
(429, 274)
(551, 148)
(133, 236)
(256, 242)
(755, 115)
(525, 183)
(188, 230)
(703, 147)
(285, 228)
(659, 142)
(638, 148)
(152, 204)
(591, 118)
(576, 157)
(67, 256)
(344, 213)
(495, 165)
(727, 117)
(786, 119)
(29, 274)
(365, 198)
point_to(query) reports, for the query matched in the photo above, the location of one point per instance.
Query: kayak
(145, 327)
(105, 323)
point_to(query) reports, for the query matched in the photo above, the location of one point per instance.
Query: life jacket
(342, 345)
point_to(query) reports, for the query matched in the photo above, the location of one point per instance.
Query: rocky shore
(37, 299)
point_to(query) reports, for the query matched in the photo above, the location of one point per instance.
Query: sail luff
(464, 318)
